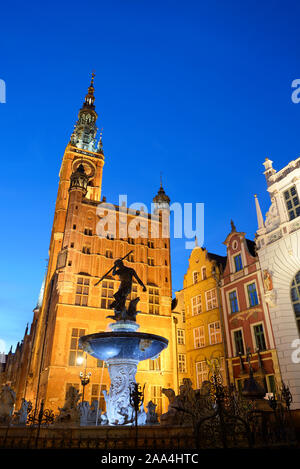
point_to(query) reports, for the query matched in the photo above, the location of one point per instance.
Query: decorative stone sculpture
(104, 419)
(152, 418)
(92, 416)
(270, 294)
(7, 402)
(170, 393)
(22, 414)
(69, 413)
(187, 405)
(122, 374)
(272, 217)
(84, 409)
(142, 416)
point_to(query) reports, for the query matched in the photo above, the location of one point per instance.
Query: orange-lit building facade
(205, 340)
(70, 305)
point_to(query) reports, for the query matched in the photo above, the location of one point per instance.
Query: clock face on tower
(89, 168)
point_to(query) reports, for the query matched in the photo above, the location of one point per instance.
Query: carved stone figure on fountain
(84, 409)
(92, 416)
(70, 412)
(122, 376)
(152, 417)
(188, 405)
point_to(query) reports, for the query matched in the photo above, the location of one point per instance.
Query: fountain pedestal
(122, 373)
(122, 350)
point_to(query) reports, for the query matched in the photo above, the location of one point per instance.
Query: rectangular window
(238, 342)
(259, 337)
(69, 385)
(75, 351)
(233, 302)
(150, 244)
(107, 293)
(153, 300)
(88, 232)
(252, 294)
(211, 299)
(195, 277)
(156, 398)
(203, 271)
(150, 261)
(292, 202)
(214, 330)
(133, 294)
(180, 336)
(183, 316)
(86, 250)
(271, 384)
(181, 363)
(196, 305)
(101, 363)
(238, 262)
(199, 337)
(239, 384)
(82, 291)
(155, 365)
(108, 254)
(201, 373)
(96, 393)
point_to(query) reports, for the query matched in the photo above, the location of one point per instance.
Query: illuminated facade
(278, 241)
(70, 305)
(249, 334)
(204, 329)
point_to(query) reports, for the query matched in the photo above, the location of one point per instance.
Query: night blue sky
(198, 90)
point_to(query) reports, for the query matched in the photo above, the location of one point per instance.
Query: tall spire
(161, 197)
(90, 98)
(84, 134)
(260, 219)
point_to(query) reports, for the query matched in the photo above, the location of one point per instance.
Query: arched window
(295, 296)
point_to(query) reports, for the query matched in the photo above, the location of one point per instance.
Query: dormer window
(238, 262)
(292, 202)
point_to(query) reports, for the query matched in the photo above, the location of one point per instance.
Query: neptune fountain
(123, 348)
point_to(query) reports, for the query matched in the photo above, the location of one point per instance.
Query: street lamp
(84, 376)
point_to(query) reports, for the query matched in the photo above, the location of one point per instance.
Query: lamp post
(84, 376)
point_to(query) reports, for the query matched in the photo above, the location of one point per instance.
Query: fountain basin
(136, 346)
